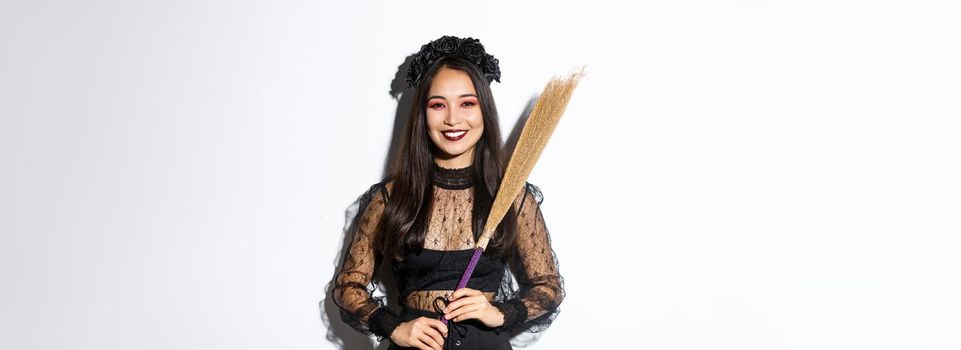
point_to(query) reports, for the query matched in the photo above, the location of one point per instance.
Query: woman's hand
(422, 333)
(469, 303)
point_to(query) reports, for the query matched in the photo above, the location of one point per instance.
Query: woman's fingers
(467, 305)
(417, 344)
(471, 304)
(426, 335)
(464, 292)
(467, 300)
(429, 342)
(467, 315)
(414, 343)
(422, 333)
(461, 297)
(437, 325)
(434, 334)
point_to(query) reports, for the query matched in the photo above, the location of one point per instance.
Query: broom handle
(467, 273)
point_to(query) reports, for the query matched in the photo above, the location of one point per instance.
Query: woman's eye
(468, 104)
(436, 105)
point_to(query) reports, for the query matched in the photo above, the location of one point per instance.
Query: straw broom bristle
(537, 130)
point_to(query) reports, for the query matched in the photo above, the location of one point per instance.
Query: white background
(729, 175)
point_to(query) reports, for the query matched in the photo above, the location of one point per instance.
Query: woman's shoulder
(533, 191)
(529, 196)
(374, 198)
(381, 189)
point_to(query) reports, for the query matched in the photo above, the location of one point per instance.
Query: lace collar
(453, 179)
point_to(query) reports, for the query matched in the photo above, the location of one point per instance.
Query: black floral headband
(468, 48)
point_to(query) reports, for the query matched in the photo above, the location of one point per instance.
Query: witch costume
(425, 278)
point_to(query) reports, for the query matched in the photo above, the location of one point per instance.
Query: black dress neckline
(453, 179)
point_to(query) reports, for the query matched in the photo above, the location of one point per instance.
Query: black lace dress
(529, 305)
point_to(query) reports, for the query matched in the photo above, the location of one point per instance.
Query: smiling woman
(454, 118)
(427, 215)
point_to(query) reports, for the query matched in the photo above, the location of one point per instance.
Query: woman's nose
(453, 117)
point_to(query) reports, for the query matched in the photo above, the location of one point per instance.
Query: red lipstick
(454, 135)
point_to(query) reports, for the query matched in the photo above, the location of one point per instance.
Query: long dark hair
(405, 218)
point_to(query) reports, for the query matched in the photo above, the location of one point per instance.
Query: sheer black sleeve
(353, 287)
(534, 304)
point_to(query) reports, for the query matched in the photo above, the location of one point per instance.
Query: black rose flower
(491, 68)
(425, 56)
(419, 64)
(425, 50)
(425, 59)
(472, 50)
(446, 44)
(417, 68)
(413, 74)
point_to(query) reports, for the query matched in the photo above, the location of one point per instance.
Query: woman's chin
(451, 155)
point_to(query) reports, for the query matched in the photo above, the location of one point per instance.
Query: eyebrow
(442, 97)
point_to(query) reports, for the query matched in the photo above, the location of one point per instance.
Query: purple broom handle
(469, 271)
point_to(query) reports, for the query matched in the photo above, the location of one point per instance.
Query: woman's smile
(454, 135)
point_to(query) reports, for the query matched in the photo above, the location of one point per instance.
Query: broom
(537, 130)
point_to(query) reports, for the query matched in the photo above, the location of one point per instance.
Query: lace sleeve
(534, 305)
(353, 286)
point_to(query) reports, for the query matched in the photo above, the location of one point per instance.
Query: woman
(426, 216)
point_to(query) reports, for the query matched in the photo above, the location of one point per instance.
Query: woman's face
(454, 118)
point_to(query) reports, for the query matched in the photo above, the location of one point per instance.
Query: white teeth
(454, 134)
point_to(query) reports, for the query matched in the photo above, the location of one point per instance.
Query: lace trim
(453, 179)
(383, 322)
(515, 313)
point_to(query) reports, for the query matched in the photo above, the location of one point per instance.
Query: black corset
(442, 269)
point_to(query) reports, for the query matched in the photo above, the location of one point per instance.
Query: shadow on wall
(338, 332)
